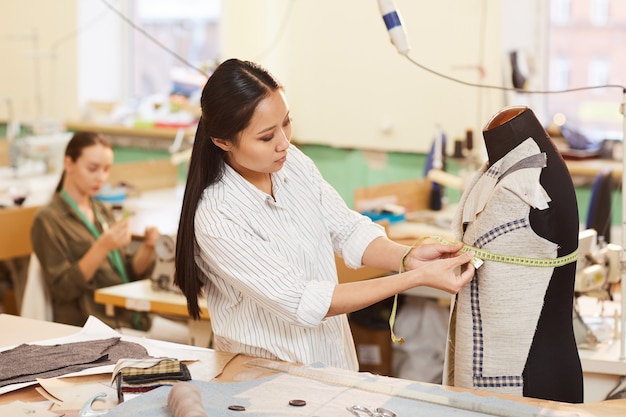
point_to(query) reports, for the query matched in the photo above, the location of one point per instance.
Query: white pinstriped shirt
(270, 264)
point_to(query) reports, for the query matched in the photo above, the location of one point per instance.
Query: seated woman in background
(79, 243)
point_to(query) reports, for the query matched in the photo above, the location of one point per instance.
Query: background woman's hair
(77, 143)
(228, 102)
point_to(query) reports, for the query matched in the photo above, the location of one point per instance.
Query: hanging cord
(517, 90)
(279, 33)
(152, 38)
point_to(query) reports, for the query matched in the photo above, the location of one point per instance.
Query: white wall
(38, 70)
(80, 55)
(349, 87)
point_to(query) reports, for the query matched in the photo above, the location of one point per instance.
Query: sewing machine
(597, 270)
(598, 266)
(163, 274)
(40, 154)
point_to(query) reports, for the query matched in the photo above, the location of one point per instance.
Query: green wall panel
(348, 169)
(123, 154)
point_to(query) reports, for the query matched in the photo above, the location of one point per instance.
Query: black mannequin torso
(553, 369)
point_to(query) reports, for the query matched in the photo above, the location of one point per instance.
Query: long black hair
(228, 102)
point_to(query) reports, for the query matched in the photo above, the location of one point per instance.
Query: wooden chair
(413, 195)
(36, 301)
(4, 153)
(15, 244)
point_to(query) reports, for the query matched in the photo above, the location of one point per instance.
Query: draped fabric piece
(495, 316)
(27, 362)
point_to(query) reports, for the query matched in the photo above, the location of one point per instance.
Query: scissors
(87, 411)
(359, 411)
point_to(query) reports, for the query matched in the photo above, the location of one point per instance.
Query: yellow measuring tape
(392, 317)
(480, 256)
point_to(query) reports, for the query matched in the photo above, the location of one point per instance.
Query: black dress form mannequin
(553, 370)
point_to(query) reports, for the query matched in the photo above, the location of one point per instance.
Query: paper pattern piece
(72, 393)
(19, 408)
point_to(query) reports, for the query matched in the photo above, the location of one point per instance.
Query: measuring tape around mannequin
(480, 256)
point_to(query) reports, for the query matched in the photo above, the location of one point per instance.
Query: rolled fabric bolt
(445, 179)
(184, 400)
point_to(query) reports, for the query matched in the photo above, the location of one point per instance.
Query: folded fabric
(27, 362)
(144, 375)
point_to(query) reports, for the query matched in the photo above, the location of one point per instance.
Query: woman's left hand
(429, 252)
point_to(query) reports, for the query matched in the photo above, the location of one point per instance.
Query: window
(560, 73)
(560, 12)
(581, 55)
(598, 73)
(599, 13)
(187, 28)
(130, 50)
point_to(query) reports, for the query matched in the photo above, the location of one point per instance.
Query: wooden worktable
(140, 296)
(588, 169)
(17, 330)
(137, 137)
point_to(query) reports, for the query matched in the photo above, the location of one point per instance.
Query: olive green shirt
(60, 239)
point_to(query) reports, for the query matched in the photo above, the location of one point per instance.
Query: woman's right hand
(117, 236)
